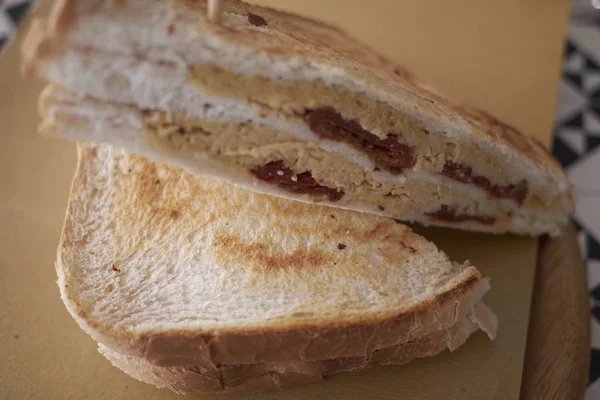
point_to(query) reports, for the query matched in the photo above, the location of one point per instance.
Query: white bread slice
(163, 56)
(187, 271)
(270, 376)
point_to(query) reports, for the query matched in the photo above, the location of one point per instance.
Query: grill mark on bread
(150, 186)
(504, 133)
(463, 287)
(267, 258)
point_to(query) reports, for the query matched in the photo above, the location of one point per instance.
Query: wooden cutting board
(469, 51)
(558, 344)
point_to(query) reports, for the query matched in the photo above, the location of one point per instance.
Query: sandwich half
(281, 104)
(193, 284)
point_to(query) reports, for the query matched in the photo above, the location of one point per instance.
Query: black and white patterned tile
(576, 144)
(11, 12)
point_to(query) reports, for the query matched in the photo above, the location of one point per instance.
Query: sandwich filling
(393, 142)
(416, 172)
(302, 167)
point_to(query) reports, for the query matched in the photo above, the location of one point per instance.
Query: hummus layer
(251, 148)
(421, 150)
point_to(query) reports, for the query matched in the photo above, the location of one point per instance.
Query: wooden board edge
(558, 343)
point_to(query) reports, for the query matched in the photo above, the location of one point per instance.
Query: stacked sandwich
(259, 244)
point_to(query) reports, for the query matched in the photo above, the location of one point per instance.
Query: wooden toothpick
(215, 9)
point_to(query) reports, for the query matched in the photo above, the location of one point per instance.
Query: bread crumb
(341, 246)
(114, 268)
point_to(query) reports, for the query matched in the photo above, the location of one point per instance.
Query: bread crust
(332, 339)
(269, 376)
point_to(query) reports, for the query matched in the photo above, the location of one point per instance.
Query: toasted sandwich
(285, 105)
(191, 283)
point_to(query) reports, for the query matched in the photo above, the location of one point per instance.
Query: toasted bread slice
(176, 270)
(281, 104)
